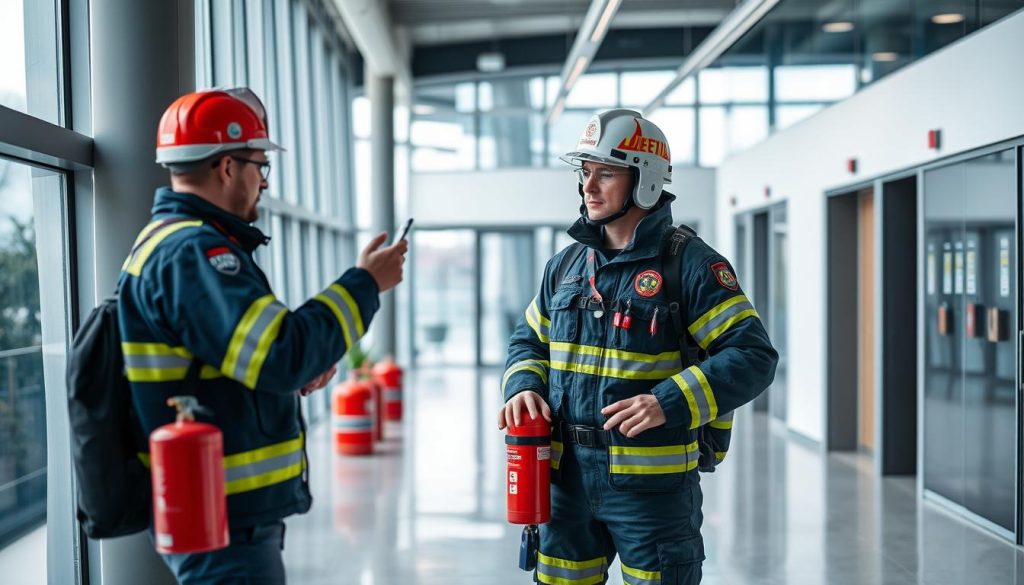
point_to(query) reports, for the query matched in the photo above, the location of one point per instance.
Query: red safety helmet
(201, 124)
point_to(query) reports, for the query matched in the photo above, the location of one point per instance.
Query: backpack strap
(568, 259)
(672, 252)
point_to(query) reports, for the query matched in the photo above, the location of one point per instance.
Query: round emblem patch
(648, 283)
(234, 130)
(725, 276)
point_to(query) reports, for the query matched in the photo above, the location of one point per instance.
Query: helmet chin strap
(613, 217)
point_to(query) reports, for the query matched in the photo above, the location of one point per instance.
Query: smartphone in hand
(404, 232)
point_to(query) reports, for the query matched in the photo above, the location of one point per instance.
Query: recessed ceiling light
(885, 56)
(837, 27)
(423, 110)
(951, 18)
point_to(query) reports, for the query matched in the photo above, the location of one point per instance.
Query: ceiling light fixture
(592, 31)
(738, 23)
(950, 18)
(837, 27)
(885, 56)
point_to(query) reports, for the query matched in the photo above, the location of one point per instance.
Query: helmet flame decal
(640, 143)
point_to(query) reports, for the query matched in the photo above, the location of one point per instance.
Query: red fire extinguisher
(528, 477)
(389, 375)
(189, 505)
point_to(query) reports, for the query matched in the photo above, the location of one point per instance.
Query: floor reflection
(429, 507)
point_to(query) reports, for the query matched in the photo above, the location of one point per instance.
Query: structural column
(381, 92)
(143, 57)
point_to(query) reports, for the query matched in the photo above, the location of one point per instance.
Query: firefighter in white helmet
(638, 348)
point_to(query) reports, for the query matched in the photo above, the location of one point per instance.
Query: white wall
(525, 197)
(970, 90)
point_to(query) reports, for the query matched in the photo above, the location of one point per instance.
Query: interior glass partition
(971, 336)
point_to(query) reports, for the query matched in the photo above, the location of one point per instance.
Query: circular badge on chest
(648, 283)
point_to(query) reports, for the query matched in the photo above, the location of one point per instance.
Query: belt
(590, 304)
(584, 436)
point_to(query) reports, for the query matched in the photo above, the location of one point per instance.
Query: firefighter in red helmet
(196, 310)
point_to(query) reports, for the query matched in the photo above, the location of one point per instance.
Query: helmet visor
(249, 98)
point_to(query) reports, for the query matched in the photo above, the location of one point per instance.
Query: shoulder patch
(725, 276)
(224, 260)
(648, 283)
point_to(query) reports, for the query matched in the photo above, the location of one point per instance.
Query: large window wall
(288, 52)
(499, 122)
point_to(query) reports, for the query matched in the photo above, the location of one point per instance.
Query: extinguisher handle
(188, 407)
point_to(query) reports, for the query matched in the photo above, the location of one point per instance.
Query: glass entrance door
(971, 333)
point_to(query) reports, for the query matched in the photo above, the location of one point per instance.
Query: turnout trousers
(656, 534)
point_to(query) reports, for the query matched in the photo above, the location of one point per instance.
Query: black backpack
(113, 485)
(671, 250)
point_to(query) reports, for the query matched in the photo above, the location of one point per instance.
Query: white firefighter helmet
(625, 138)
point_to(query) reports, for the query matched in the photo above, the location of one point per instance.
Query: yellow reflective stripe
(611, 372)
(574, 565)
(556, 454)
(346, 332)
(653, 469)
(139, 260)
(241, 332)
(665, 450)
(169, 374)
(717, 331)
(275, 450)
(538, 322)
(549, 580)
(721, 424)
(691, 401)
(252, 373)
(539, 367)
(616, 353)
(715, 311)
(352, 306)
(143, 348)
(708, 394)
(648, 575)
(144, 458)
(720, 455)
(156, 374)
(142, 235)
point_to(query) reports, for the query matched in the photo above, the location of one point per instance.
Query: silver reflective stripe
(156, 361)
(540, 325)
(698, 394)
(572, 574)
(346, 312)
(610, 365)
(353, 423)
(676, 459)
(252, 339)
(727, 416)
(631, 580)
(702, 335)
(264, 466)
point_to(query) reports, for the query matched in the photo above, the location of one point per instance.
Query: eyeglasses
(603, 177)
(264, 165)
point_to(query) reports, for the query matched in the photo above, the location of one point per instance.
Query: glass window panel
(748, 125)
(678, 124)
(712, 136)
(486, 98)
(594, 90)
(786, 116)
(362, 176)
(683, 95)
(31, 89)
(553, 87)
(32, 314)
(734, 84)
(511, 141)
(361, 116)
(446, 296)
(565, 133)
(640, 87)
(537, 92)
(815, 82)
(447, 143)
(507, 286)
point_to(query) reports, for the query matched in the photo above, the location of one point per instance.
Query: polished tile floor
(429, 508)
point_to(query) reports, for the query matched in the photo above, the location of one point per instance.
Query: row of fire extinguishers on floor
(187, 457)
